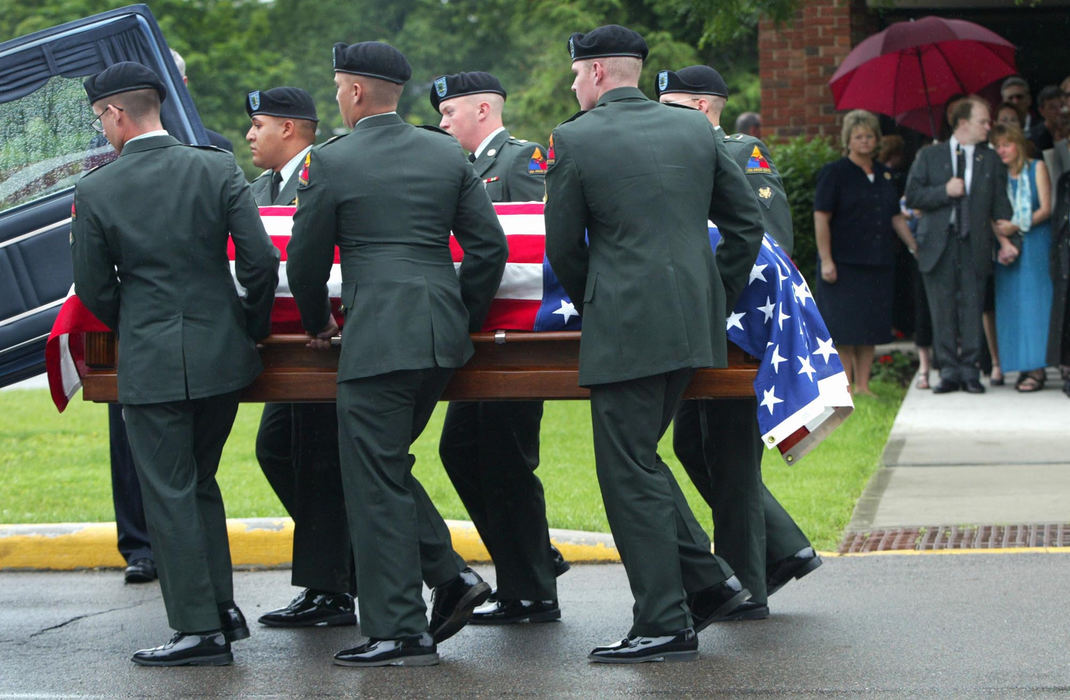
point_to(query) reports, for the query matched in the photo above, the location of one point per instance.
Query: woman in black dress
(856, 219)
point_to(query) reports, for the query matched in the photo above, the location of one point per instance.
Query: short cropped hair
(856, 118)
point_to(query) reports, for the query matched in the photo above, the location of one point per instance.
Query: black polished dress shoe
(508, 612)
(452, 604)
(140, 571)
(408, 651)
(232, 622)
(560, 565)
(682, 646)
(312, 608)
(973, 386)
(712, 604)
(796, 566)
(946, 386)
(747, 610)
(204, 649)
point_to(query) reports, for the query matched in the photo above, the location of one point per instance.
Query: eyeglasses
(98, 126)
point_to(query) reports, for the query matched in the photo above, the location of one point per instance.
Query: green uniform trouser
(176, 448)
(490, 451)
(664, 550)
(297, 448)
(398, 535)
(720, 446)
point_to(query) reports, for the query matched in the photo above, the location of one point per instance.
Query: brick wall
(796, 61)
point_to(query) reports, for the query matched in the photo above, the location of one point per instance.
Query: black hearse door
(46, 143)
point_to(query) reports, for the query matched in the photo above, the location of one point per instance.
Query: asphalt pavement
(961, 626)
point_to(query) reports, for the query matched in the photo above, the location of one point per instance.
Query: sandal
(1029, 382)
(923, 381)
(993, 380)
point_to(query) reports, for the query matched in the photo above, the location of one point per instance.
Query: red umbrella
(918, 65)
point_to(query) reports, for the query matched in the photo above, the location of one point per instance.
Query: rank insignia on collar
(663, 80)
(757, 163)
(302, 179)
(765, 192)
(254, 100)
(440, 86)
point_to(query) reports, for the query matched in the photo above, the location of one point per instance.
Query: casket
(507, 365)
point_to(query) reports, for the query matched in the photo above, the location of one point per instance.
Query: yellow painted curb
(262, 542)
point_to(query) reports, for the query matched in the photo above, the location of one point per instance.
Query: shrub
(799, 161)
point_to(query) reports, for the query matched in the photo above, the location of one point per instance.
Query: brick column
(796, 61)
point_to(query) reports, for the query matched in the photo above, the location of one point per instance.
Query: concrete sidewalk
(994, 459)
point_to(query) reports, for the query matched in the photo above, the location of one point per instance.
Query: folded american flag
(801, 401)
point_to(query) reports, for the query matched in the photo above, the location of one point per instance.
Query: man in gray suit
(630, 186)
(961, 190)
(388, 194)
(297, 444)
(149, 234)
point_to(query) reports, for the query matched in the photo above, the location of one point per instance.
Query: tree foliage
(234, 46)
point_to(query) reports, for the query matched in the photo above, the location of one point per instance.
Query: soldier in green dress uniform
(718, 441)
(149, 236)
(388, 194)
(297, 443)
(491, 449)
(630, 187)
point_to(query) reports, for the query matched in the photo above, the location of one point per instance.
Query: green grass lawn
(54, 468)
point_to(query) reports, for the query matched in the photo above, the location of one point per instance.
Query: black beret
(609, 40)
(696, 80)
(285, 102)
(122, 77)
(446, 87)
(373, 59)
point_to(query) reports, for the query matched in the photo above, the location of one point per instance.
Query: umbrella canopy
(918, 65)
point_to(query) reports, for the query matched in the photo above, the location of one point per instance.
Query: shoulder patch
(537, 163)
(302, 179)
(757, 163)
(550, 152)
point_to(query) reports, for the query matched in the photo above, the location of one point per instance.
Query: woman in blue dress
(1023, 283)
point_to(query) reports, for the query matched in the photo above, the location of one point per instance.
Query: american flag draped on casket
(801, 386)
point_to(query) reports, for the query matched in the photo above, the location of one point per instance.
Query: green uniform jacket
(511, 169)
(764, 179)
(388, 194)
(261, 188)
(640, 180)
(149, 240)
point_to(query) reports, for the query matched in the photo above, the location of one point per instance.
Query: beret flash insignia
(254, 100)
(663, 80)
(572, 47)
(440, 86)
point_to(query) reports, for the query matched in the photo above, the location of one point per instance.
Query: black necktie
(276, 181)
(962, 217)
(471, 157)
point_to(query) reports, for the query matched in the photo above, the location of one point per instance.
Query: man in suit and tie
(150, 261)
(491, 449)
(718, 440)
(961, 190)
(297, 444)
(388, 194)
(630, 186)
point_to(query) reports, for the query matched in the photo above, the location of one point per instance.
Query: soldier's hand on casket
(322, 340)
